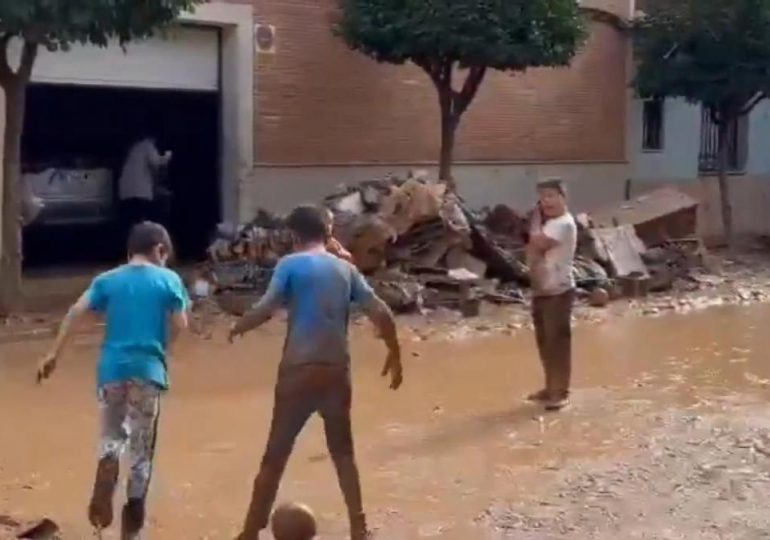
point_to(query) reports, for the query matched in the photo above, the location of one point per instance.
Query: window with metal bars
(708, 160)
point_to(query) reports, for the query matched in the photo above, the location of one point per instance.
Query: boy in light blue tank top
(145, 307)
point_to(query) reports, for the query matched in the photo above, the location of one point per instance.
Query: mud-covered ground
(739, 279)
(667, 437)
(691, 476)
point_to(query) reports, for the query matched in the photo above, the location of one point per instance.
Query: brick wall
(318, 103)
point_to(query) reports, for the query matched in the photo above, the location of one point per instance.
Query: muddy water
(433, 456)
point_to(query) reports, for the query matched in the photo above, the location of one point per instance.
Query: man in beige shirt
(550, 256)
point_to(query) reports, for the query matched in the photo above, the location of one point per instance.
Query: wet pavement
(455, 454)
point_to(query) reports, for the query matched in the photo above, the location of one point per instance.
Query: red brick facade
(318, 103)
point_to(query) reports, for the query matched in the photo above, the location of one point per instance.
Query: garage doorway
(82, 118)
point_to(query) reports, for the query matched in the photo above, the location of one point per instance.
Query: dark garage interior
(86, 128)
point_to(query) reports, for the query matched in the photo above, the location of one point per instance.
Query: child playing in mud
(314, 374)
(145, 306)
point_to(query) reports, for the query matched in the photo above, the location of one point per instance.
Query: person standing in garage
(137, 186)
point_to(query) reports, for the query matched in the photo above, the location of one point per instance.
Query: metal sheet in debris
(622, 248)
(647, 207)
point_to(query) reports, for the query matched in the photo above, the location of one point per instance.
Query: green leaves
(713, 52)
(57, 23)
(501, 34)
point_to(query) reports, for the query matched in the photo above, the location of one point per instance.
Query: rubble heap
(422, 248)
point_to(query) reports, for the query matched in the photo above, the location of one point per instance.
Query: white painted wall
(758, 162)
(677, 164)
(678, 160)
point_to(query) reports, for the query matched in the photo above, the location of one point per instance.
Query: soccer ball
(293, 521)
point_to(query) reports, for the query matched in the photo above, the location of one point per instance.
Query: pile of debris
(648, 244)
(417, 243)
(422, 248)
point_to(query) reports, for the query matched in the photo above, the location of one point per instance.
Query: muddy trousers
(300, 392)
(129, 420)
(552, 317)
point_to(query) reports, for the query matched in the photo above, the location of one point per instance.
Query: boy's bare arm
(257, 316)
(541, 243)
(382, 318)
(179, 323)
(74, 314)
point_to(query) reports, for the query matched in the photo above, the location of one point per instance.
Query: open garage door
(186, 58)
(85, 109)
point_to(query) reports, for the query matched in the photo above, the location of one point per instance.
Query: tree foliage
(711, 52)
(501, 34)
(442, 36)
(57, 23)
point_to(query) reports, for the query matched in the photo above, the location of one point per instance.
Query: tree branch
(753, 102)
(6, 73)
(28, 56)
(446, 73)
(471, 85)
(428, 68)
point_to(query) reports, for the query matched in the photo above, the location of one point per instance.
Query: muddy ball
(293, 521)
(599, 298)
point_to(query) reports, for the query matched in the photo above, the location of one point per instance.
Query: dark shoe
(359, 530)
(540, 395)
(132, 519)
(557, 404)
(100, 509)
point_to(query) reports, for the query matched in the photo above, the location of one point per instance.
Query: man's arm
(382, 317)
(541, 242)
(264, 310)
(155, 158)
(63, 336)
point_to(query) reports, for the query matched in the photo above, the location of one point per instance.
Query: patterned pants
(129, 413)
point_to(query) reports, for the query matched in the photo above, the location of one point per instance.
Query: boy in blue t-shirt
(318, 289)
(145, 306)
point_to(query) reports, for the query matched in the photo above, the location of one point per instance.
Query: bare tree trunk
(10, 258)
(448, 131)
(724, 186)
(14, 85)
(452, 104)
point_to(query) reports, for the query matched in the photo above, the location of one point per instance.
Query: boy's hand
(394, 368)
(46, 367)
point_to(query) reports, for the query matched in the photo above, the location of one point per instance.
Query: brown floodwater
(433, 456)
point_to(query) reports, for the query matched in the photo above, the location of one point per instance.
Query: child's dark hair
(308, 223)
(146, 236)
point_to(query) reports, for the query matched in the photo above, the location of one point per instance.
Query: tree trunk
(10, 258)
(14, 85)
(448, 130)
(453, 105)
(724, 186)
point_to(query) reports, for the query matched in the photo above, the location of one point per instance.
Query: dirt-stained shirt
(552, 274)
(318, 289)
